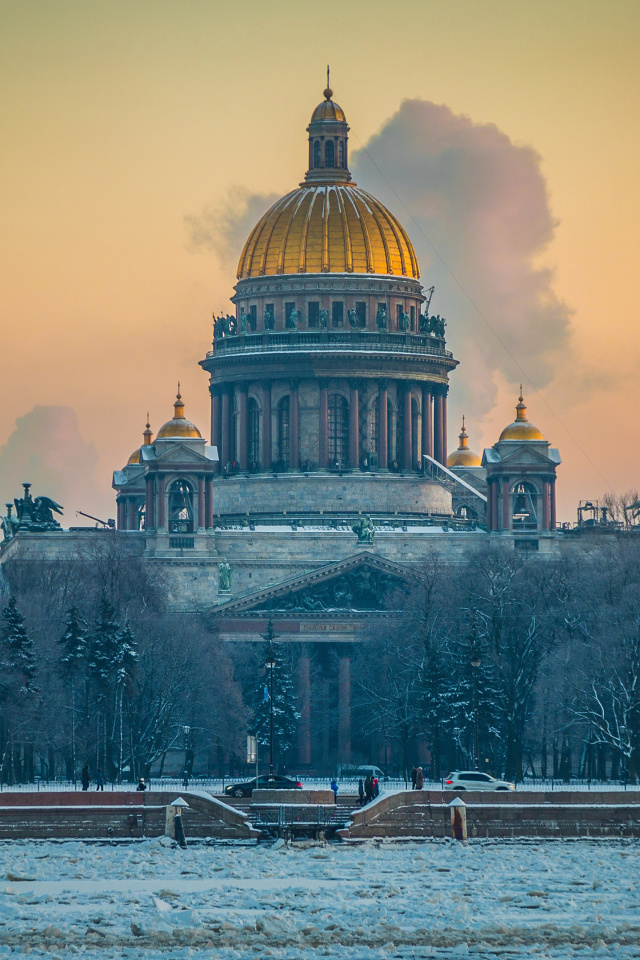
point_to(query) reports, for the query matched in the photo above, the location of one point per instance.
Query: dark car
(262, 783)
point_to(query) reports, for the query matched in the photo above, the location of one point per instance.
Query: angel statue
(224, 577)
(324, 319)
(365, 529)
(268, 319)
(381, 317)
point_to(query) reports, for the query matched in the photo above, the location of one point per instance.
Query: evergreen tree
(285, 715)
(104, 646)
(73, 653)
(19, 662)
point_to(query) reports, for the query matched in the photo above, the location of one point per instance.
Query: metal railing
(329, 341)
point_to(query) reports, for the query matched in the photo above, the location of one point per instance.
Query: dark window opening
(269, 316)
(253, 424)
(313, 314)
(288, 310)
(317, 155)
(399, 311)
(337, 313)
(253, 318)
(361, 314)
(412, 315)
(180, 507)
(329, 154)
(524, 507)
(338, 430)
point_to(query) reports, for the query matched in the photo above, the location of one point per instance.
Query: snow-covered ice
(383, 900)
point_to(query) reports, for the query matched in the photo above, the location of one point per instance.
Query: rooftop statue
(365, 529)
(381, 317)
(324, 319)
(35, 515)
(268, 319)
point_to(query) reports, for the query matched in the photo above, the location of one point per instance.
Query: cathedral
(324, 481)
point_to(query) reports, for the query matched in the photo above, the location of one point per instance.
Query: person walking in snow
(419, 779)
(85, 777)
(99, 779)
(141, 785)
(414, 774)
(334, 787)
(361, 791)
(368, 789)
(376, 787)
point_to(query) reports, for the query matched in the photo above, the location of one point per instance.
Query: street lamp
(475, 663)
(270, 664)
(186, 729)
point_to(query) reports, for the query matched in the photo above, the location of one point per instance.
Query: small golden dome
(463, 457)
(328, 228)
(328, 110)
(136, 456)
(521, 429)
(179, 428)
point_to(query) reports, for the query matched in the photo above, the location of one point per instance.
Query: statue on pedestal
(224, 577)
(364, 529)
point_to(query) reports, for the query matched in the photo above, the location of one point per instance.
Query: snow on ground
(437, 899)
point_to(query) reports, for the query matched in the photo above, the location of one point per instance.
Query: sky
(124, 125)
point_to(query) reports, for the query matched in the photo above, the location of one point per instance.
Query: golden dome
(136, 456)
(328, 228)
(178, 428)
(328, 109)
(463, 457)
(521, 429)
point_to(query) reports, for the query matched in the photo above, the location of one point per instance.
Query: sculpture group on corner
(33, 515)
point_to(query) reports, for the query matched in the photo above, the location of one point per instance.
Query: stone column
(344, 709)
(354, 423)
(505, 504)
(406, 427)
(215, 425)
(225, 427)
(121, 515)
(495, 520)
(552, 525)
(243, 452)
(131, 520)
(294, 451)
(323, 425)
(489, 514)
(438, 445)
(304, 724)
(201, 504)
(545, 505)
(148, 509)
(266, 425)
(383, 440)
(160, 508)
(427, 421)
(444, 428)
(209, 503)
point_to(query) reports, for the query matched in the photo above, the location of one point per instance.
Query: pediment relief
(180, 452)
(525, 455)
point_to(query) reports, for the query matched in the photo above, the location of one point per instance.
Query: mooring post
(173, 823)
(458, 810)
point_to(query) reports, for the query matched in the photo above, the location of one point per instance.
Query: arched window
(283, 431)
(181, 507)
(341, 162)
(338, 429)
(329, 154)
(253, 432)
(317, 155)
(525, 506)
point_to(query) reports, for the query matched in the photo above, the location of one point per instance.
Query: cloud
(47, 450)
(477, 209)
(223, 228)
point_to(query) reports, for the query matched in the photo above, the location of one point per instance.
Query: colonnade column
(225, 454)
(201, 504)
(427, 421)
(545, 504)
(121, 515)
(149, 520)
(160, 495)
(304, 724)
(294, 452)
(505, 504)
(407, 444)
(266, 425)
(243, 452)
(209, 503)
(344, 708)
(383, 440)
(354, 422)
(215, 425)
(494, 505)
(323, 426)
(489, 509)
(438, 443)
(444, 428)
(552, 524)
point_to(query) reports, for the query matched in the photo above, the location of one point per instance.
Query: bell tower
(328, 141)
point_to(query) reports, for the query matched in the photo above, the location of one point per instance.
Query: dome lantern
(521, 429)
(179, 428)
(328, 142)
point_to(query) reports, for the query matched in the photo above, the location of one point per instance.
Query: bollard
(173, 822)
(458, 819)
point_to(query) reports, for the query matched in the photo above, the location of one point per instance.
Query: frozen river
(433, 899)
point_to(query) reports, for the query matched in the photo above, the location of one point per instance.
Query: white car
(473, 780)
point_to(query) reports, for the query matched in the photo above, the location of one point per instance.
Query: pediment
(525, 455)
(181, 452)
(360, 585)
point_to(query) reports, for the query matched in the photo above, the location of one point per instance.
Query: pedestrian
(334, 787)
(99, 779)
(141, 785)
(419, 779)
(85, 777)
(376, 787)
(368, 788)
(414, 774)
(361, 791)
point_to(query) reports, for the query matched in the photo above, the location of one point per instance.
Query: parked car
(348, 772)
(474, 780)
(262, 783)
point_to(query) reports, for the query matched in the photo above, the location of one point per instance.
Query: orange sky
(121, 119)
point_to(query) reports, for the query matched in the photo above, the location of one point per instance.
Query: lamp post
(475, 663)
(186, 729)
(270, 664)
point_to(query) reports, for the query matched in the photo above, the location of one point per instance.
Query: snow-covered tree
(72, 663)
(18, 659)
(285, 715)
